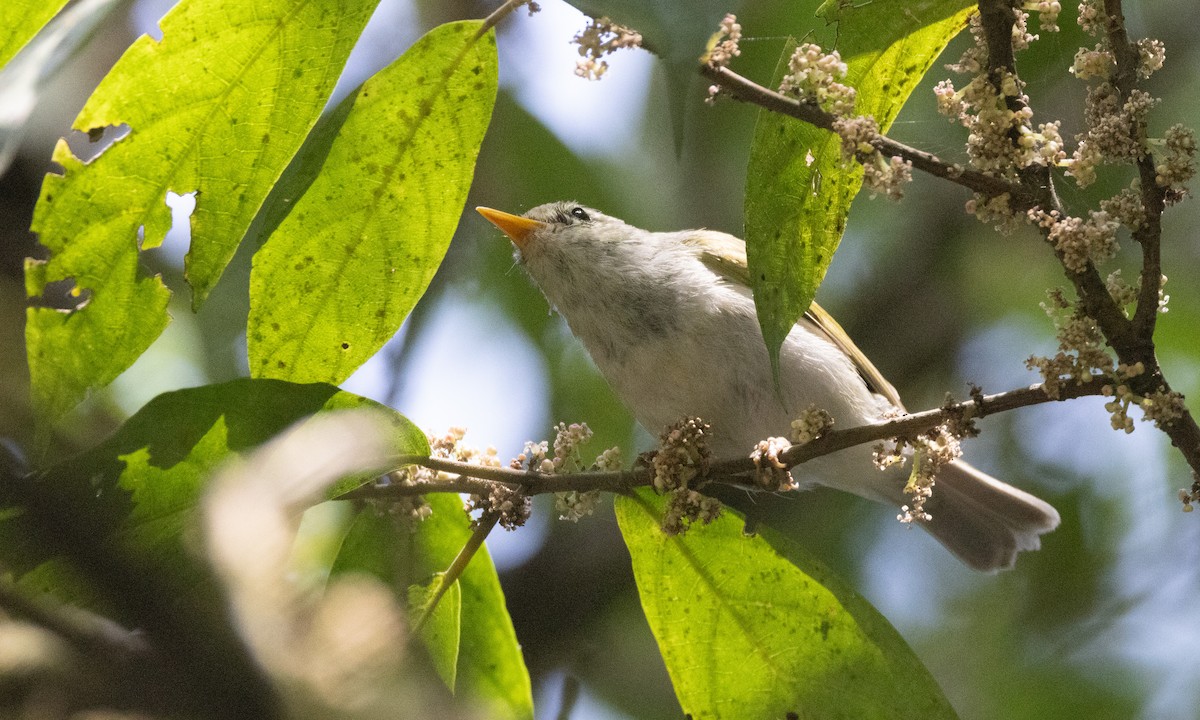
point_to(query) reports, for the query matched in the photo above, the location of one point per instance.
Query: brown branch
(478, 479)
(917, 423)
(1149, 234)
(1132, 341)
(748, 91)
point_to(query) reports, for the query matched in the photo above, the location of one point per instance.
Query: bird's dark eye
(580, 214)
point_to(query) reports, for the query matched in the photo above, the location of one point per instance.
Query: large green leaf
(797, 203)
(20, 20)
(491, 670)
(137, 491)
(749, 633)
(343, 269)
(219, 107)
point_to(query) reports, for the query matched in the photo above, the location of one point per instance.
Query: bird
(669, 320)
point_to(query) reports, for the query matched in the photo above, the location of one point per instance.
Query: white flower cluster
(723, 47)
(996, 210)
(511, 505)
(1047, 11)
(575, 505)
(1126, 207)
(1081, 347)
(1115, 125)
(1190, 496)
(813, 77)
(1178, 163)
(1122, 293)
(568, 441)
(883, 174)
(1078, 241)
(450, 446)
(931, 452)
(1001, 138)
(682, 458)
(1160, 407)
(812, 424)
(769, 472)
(567, 458)
(600, 38)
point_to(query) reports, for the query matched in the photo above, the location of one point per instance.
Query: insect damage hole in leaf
(178, 239)
(87, 146)
(63, 295)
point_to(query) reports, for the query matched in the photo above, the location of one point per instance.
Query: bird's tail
(984, 521)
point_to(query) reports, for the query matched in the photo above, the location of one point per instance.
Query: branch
(497, 15)
(748, 91)
(478, 479)
(1132, 341)
(1149, 234)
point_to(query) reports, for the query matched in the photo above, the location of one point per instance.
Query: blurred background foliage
(1101, 623)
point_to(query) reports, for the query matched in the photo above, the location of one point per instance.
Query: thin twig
(497, 15)
(484, 526)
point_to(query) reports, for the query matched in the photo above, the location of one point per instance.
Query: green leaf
(441, 631)
(138, 490)
(343, 269)
(491, 670)
(798, 190)
(218, 107)
(747, 632)
(20, 20)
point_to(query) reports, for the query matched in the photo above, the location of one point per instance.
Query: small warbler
(669, 319)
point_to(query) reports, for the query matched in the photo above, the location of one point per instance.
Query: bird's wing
(726, 256)
(723, 254)
(836, 335)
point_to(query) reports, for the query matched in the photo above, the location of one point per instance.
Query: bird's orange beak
(514, 226)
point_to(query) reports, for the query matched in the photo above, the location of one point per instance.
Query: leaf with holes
(219, 107)
(343, 269)
(798, 190)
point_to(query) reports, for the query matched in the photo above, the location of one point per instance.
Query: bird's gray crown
(566, 213)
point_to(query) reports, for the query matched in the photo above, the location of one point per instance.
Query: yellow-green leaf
(751, 629)
(441, 630)
(218, 107)
(343, 269)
